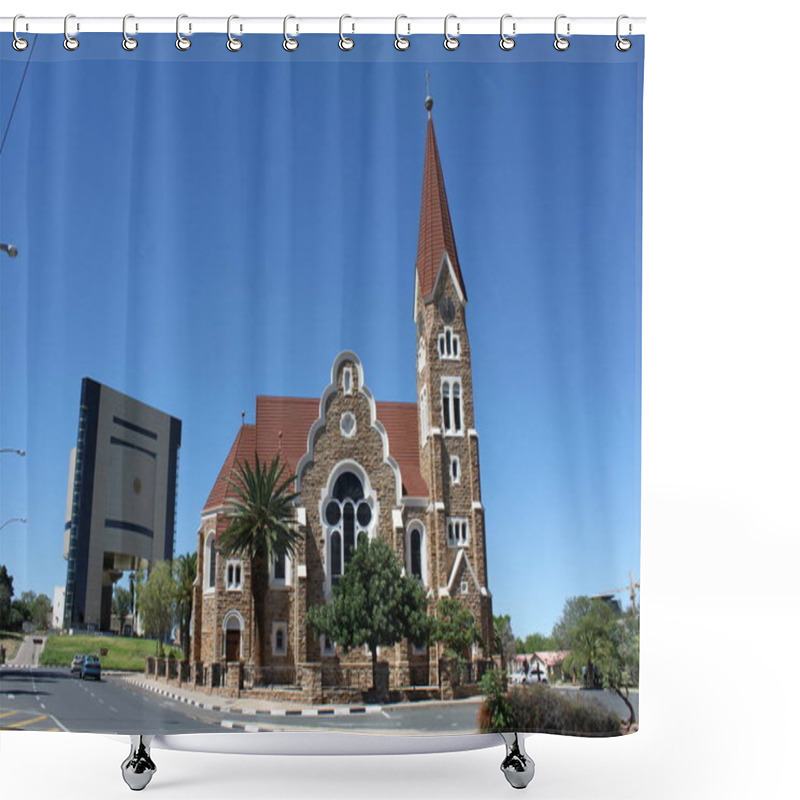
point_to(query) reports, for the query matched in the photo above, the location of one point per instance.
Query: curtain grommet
(345, 42)
(290, 44)
(70, 42)
(233, 44)
(18, 43)
(451, 42)
(561, 44)
(129, 43)
(507, 42)
(401, 43)
(622, 44)
(181, 42)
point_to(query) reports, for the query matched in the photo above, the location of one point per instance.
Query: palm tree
(261, 527)
(122, 604)
(185, 568)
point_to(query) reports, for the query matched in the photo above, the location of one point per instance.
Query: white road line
(41, 704)
(63, 727)
(111, 708)
(101, 700)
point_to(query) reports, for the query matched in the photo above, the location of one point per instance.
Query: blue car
(90, 668)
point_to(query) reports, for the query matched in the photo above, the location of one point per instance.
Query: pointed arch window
(210, 563)
(421, 360)
(452, 422)
(415, 548)
(348, 518)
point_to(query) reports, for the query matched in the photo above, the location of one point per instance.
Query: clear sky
(198, 228)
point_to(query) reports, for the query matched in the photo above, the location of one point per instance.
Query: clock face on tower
(447, 310)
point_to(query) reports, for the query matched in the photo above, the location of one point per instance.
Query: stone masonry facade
(408, 473)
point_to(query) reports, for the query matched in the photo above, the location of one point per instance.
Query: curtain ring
(181, 42)
(128, 42)
(70, 42)
(345, 43)
(560, 43)
(401, 42)
(19, 43)
(622, 44)
(507, 42)
(451, 42)
(233, 44)
(290, 44)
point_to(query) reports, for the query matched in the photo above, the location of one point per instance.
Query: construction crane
(631, 587)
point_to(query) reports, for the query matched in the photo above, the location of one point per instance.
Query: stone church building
(406, 472)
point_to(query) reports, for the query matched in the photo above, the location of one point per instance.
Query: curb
(331, 711)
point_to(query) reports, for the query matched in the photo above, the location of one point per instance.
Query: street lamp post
(13, 519)
(10, 249)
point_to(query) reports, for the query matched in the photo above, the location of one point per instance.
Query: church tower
(448, 438)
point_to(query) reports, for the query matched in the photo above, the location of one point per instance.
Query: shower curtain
(334, 356)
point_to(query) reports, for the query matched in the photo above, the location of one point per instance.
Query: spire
(435, 227)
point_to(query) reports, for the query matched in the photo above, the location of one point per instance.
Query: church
(408, 473)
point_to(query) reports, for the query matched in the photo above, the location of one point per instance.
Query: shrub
(538, 709)
(495, 713)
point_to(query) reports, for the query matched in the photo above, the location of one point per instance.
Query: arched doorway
(232, 636)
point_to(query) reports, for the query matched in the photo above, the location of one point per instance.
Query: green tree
(6, 595)
(33, 608)
(618, 659)
(185, 567)
(504, 642)
(121, 605)
(535, 643)
(585, 628)
(374, 604)
(157, 603)
(455, 628)
(261, 527)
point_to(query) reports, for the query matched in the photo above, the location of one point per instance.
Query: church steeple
(436, 236)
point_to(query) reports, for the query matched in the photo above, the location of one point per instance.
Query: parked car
(77, 663)
(90, 668)
(522, 678)
(536, 677)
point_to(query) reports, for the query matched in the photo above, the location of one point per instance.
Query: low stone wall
(314, 683)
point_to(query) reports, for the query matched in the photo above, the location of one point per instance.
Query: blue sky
(198, 228)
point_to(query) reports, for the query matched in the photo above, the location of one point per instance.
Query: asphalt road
(52, 699)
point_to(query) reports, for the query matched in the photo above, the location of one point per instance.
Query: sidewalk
(246, 707)
(28, 653)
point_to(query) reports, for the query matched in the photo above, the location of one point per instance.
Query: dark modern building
(121, 499)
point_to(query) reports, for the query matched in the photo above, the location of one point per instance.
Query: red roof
(435, 226)
(283, 423)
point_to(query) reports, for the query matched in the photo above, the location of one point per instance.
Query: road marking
(8, 714)
(100, 699)
(62, 727)
(27, 722)
(11, 696)
(111, 708)
(41, 704)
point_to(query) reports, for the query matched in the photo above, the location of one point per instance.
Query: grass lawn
(10, 642)
(123, 653)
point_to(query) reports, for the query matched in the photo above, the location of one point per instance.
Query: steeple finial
(428, 98)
